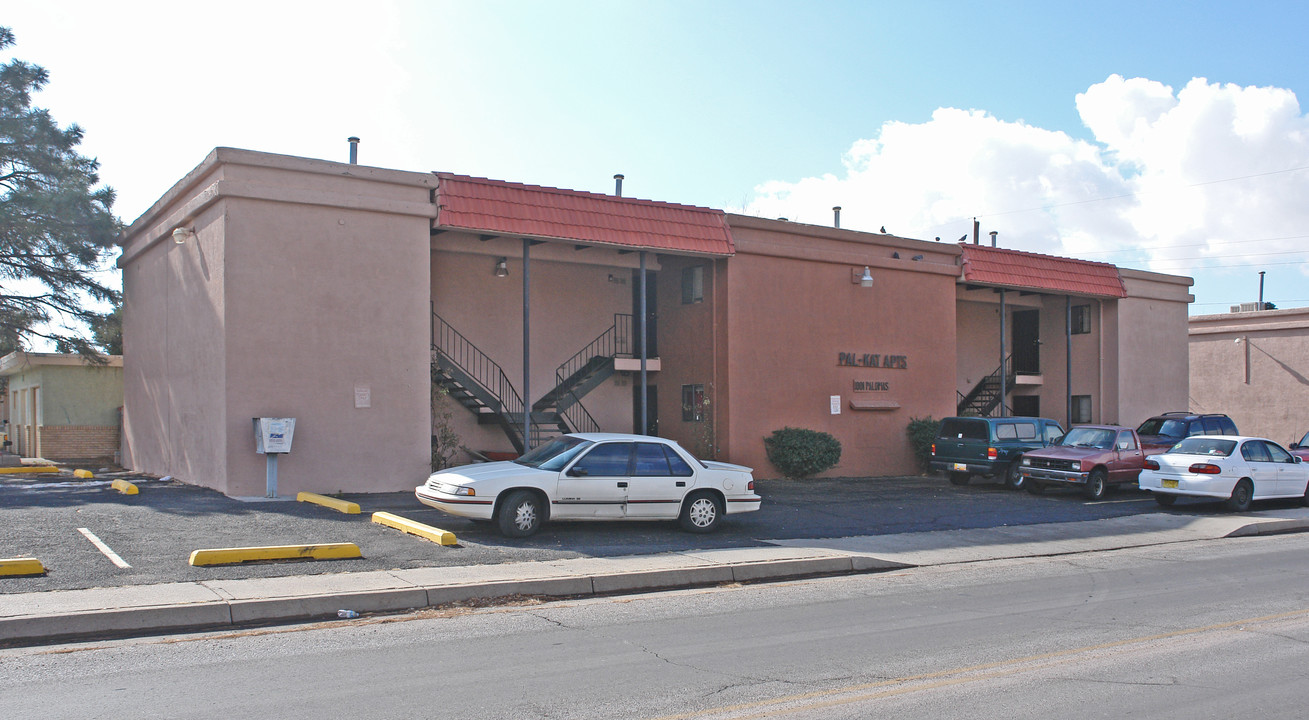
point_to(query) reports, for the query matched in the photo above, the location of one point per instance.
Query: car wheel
(520, 514)
(958, 478)
(1241, 497)
(1012, 478)
(701, 513)
(1097, 484)
(1164, 499)
(1034, 487)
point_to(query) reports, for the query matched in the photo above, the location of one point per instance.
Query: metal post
(1068, 361)
(1004, 372)
(644, 343)
(270, 476)
(527, 346)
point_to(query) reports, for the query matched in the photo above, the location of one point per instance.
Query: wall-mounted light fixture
(864, 279)
(502, 267)
(182, 234)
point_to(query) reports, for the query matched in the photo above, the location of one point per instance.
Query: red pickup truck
(1301, 448)
(1092, 457)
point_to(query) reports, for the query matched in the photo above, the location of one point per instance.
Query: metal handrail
(578, 418)
(451, 343)
(610, 343)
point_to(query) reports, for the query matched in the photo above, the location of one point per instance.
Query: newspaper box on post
(272, 438)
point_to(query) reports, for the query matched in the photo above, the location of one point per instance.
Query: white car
(594, 476)
(1236, 469)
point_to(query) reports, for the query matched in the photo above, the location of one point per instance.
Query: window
(1255, 451)
(651, 460)
(656, 460)
(608, 460)
(1081, 409)
(1126, 441)
(693, 284)
(693, 401)
(1081, 319)
(964, 428)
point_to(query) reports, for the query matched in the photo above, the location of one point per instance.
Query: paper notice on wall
(363, 397)
(836, 404)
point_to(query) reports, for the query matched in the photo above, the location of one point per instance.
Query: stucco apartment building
(264, 285)
(1253, 366)
(60, 407)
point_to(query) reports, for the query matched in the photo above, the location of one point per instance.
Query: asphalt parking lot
(54, 518)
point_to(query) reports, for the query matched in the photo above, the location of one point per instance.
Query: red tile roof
(1015, 269)
(505, 208)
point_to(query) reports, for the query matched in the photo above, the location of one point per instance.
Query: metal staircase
(584, 372)
(984, 398)
(478, 383)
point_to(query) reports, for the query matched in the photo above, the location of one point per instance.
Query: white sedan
(594, 476)
(1236, 469)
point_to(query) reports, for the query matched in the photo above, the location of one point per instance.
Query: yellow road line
(335, 503)
(436, 535)
(231, 556)
(124, 487)
(21, 566)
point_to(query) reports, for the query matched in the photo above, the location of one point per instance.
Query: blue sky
(1075, 129)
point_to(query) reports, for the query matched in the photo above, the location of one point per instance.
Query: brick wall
(78, 442)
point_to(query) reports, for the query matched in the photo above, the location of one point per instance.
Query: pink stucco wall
(1254, 366)
(305, 281)
(792, 309)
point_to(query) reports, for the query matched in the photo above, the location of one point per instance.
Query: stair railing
(459, 350)
(578, 419)
(614, 341)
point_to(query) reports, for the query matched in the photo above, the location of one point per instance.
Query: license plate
(961, 467)
(1169, 483)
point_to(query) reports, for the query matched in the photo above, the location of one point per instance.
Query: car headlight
(1027, 461)
(449, 489)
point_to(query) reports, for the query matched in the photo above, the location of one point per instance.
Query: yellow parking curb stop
(24, 469)
(124, 487)
(436, 535)
(232, 556)
(84, 474)
(10, 567)
(337, 504)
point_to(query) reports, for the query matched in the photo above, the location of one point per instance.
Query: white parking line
(1111, 502)
(109, 553)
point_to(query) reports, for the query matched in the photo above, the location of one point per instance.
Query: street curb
(237, 612)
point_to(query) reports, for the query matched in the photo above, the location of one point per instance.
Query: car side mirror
(1298, 458)
(577, 472)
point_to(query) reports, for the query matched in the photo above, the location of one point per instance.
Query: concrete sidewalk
(43, 617)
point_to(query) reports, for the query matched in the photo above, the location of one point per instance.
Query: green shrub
(801, 453)
(922, 433)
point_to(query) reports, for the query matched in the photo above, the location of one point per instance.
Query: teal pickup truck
(989, 447)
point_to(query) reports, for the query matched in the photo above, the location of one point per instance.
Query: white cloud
(1211, 168)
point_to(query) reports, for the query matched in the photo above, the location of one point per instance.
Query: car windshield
(555, 454)
(1162, 426)
(1204, 445)
(1304, 441)
(1089, 438)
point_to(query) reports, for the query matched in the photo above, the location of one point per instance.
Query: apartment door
(1027, 342)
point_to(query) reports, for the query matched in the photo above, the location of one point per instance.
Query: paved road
(155, 531)
(1212, 629)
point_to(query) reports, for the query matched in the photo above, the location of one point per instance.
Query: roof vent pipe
(836, 212)
(618, 184)
(993, 233)
(977, 229)
(354, 150)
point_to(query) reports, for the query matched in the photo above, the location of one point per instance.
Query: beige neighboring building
(62, 408)
(1253, 366)
(341, 295)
